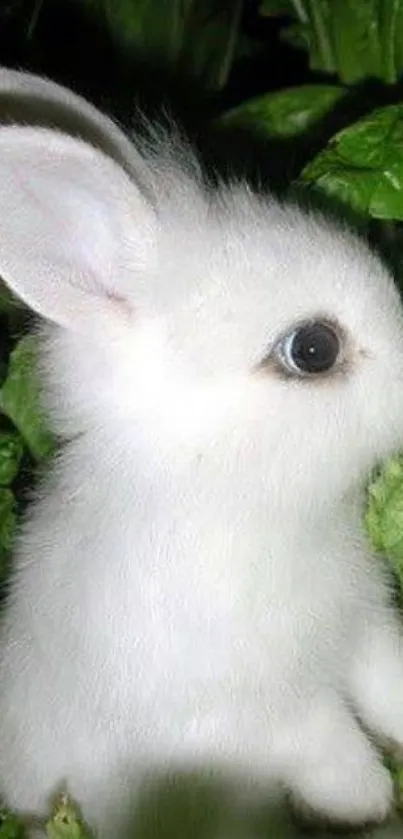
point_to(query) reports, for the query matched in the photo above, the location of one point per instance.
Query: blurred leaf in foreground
(65, 822)
(11, 451)
(285, 113)
(384, 515)
(363, 165)
(356, 39)
(10, 826)
(197, 38)
(19, 399)
(8, 521)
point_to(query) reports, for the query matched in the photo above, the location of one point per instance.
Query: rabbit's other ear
(76, 234)
(28, 99)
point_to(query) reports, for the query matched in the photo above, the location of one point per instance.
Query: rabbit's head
(201, 317)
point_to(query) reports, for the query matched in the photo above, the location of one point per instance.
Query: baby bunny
(192, 587)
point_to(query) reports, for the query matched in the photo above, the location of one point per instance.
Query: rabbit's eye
(312, 348)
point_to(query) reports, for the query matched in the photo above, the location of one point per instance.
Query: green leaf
(11, 451)
(8, 521)
(397, 770)
(66, 822)
(367, 38)
(210, 37)
(10, 826)
(311, 27)
(285, 113)
(320, 32)
(356, 39)
(391, 40)
(363, 165)
(194, 37)
(139, 25)
(19, 399)
(384, 514)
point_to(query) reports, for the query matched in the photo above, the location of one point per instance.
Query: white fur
(30, 99)
(193, 586)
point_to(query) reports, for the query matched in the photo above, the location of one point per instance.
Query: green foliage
(19, 399)
(195, 37)
(8, 521)
(384, 515)
(11, 450)
(285, 113)
(28, 437)
(355, 39)
(66, 822)
(10, 826)
(363, 165)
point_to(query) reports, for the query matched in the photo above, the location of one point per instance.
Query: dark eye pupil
(314, 348)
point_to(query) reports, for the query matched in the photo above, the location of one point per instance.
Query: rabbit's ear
(28, 99)
(74, 229)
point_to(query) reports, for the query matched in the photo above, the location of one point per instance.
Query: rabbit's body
(194, 588)
(195, 667)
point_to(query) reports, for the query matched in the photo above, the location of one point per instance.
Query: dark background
(69, 43)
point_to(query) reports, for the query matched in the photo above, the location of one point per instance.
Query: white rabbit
(193, 586)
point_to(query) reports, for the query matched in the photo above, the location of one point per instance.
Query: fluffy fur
(193, 586)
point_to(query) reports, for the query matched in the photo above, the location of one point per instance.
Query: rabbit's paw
(335, 770)
(340, 793)
(376, 681)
